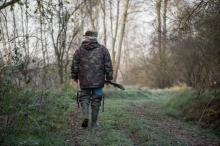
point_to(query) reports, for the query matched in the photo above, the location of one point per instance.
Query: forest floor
(137, 118)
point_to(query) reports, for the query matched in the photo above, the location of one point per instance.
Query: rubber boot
(85, 111)
(95, 113)
(96, 103)
(85, 123)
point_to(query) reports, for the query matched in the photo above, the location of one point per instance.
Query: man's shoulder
(77, 50)
(103, 47)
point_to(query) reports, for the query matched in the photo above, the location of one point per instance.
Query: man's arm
(108, 65)
(75, 66)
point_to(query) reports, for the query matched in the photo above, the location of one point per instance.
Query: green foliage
(33, 117)
(40, 117)
(189, 105)
(119, 125)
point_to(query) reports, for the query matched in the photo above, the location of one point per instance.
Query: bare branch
(8, 4)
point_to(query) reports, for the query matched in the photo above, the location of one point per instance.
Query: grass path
(136, 118)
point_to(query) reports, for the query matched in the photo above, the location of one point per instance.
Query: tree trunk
(116, 34)
(104, 21)
(124, 19)
(5, 49)
(60, 70)
(158, 8)
(164, 63)
(93, 14)
(27, 27)
(41, 20)
(9, 50)
(164, 24)
(159, 37)
(111, 20)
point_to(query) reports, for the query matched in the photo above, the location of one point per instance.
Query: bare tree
(61, 47)
(115, 34)
(103, 5)
(122, 31)
(158, 11)
(93, 9)
(164, 24)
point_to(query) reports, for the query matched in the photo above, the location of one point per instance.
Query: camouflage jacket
(91, 64)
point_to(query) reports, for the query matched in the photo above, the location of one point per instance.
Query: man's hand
(73, 81)
(76, 81)
(107, 83)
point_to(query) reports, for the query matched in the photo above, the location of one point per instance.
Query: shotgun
(115, 84)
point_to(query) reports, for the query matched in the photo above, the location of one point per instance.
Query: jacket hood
(90, 44)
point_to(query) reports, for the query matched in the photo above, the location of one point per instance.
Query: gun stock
(115, 84)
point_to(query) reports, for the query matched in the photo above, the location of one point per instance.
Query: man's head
(90, 40)
(91, 34)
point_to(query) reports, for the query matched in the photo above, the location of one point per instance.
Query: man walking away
(91, 66)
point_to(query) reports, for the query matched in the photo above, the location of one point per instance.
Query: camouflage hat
(91, 33)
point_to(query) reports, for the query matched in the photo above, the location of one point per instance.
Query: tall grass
(34, 117)
(202, 109)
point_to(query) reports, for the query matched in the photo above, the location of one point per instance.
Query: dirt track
(117, 127)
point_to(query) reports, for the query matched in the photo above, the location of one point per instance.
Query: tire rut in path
(152, 112)
(74, 138)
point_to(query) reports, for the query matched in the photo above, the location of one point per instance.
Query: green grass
(139, 130)
(186, 104)
(120, 127)
(35, 117)
(130, 117)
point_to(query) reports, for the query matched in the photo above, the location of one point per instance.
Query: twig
(8, 4)
(210, 100)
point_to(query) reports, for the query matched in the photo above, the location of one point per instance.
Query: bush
(204, 108)
(33, 117)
